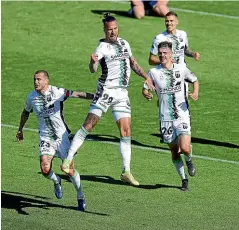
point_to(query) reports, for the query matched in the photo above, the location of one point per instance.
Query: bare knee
(45, 169)
(126, 132)
(46, 164)
(124, 125)
(139, 14)
(138, 9)
(161, 8)
(185, 148)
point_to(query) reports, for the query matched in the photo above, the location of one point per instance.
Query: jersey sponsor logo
(178, 52)
(173, 89)
(120, 56)
(46, 112)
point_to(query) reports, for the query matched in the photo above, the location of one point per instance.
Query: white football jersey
(179, 44)
(170, 89)
(48, 109)
(115, 64)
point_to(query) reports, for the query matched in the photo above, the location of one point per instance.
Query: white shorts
(58, 148)
(171, 130)
(117, 99)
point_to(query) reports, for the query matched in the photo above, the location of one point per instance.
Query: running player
(174, 115)
(179, 41)
(46, 102)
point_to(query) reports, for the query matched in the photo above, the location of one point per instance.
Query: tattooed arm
(194, 55)
(139, 71)
(137, 68)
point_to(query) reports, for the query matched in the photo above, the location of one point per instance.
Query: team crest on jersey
(180, 39)
(48, 98)
(122, 43)
(177, 74)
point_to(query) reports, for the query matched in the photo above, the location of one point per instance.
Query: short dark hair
(42, 71)
(108, 18)
(165, 44)
(171, 13)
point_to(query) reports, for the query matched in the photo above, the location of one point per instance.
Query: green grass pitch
(60, 37)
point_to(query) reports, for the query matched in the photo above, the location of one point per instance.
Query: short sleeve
(150, 74)
(189, 76)
(99, 52)
(28, 105)
(63, 93)
(129, 49)
(154, 47)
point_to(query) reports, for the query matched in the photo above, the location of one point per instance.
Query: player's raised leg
(79, 138)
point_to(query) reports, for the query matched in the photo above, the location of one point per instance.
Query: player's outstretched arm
(139, 71)
(24, 117)
(93, 65)
(84, 95)
(195, 93)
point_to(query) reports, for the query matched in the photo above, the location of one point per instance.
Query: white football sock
(125, 152)
(75, 179)
(180, 167)
(52, 176)
(77, 142)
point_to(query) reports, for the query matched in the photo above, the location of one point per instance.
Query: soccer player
(140, 8)
(174, 115)
(46, 101)
(116, 59)
(179, 41)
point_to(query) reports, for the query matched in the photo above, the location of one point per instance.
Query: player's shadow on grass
(117, 12)
(207, 142)
(111, 180)
(158, 186)
(113, 139)
(19, 201)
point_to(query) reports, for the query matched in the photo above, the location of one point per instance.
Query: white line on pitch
(134, 146)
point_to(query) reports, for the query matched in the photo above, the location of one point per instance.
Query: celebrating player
(115, 57)
(174, 115)
(46, 102)
(179, 41)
